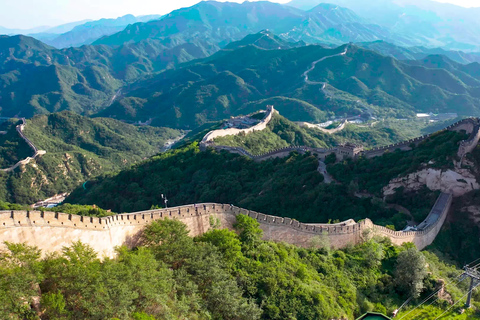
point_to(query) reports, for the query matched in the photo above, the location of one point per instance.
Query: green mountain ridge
(415, 53)
(78, 148)
(37, 79)
(281, 132)
(243, 80)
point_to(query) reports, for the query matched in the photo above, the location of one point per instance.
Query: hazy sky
(32, 13)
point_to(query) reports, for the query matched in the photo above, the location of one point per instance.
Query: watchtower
(348, 150)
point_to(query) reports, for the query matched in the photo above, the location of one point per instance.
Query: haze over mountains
(436, 24)
(90, 31)
(220, 23)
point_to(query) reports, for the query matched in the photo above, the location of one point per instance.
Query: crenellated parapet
(52, 231)
(469, 125)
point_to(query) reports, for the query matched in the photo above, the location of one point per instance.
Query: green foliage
(20, 274)
(410, 272)
(287, 187)
(78, 148)
(249, 228)
(167, 238)
(375, 173)
(81, 210)
(218, 275)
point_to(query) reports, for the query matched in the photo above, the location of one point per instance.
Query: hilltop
(78, 148)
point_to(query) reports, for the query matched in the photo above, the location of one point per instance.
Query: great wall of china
(470, 125)
(51, 231)
(36, 152)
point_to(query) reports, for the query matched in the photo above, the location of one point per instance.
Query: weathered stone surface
(51, 231)
(456, 182)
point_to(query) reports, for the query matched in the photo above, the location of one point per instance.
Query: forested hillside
(12, 147)
(288, 187)
(281, 132)
(242, 80)
(37, 79)
(78, 148)
(220, 275)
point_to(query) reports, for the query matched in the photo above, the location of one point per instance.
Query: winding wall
(51, 231)
(37, 152)
(209, 137)
(470, 125)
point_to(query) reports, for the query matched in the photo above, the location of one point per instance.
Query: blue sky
(25, 14)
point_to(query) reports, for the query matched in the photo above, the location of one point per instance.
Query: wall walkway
(51, 231)
(37, 152)
(470, 125)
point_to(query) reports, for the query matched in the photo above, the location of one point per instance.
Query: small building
(348, 150)
(374, 316)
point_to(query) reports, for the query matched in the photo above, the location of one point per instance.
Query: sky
(25, 14)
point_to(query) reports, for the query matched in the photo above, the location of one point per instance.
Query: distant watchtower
(348, 150)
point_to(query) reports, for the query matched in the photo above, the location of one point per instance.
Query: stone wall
(51, 231)
(470, 125)
(37, 152)
(212, 135)
(468, 145)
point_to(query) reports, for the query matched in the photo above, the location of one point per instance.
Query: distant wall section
(212, 135)
(37, 152)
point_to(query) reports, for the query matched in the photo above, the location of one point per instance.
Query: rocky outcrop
(456, 182)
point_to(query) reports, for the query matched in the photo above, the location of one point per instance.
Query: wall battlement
(51, 231)
(469, 125)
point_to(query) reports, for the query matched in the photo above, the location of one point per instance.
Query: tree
(226, 241)
(20, 274)
(249, 228)
(410, 271)
(169, 240)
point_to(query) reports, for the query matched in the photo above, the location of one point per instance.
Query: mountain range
(90, 31)
(247, 77)
(43, 29)
(36, 78)
(435, 24)
(146, 71)
(219, 23)
(78, 148)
